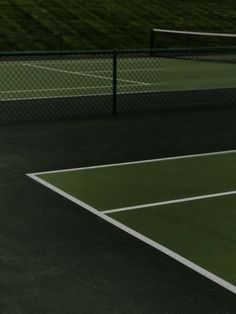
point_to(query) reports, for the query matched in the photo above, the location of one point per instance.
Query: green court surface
(184, 206)
(35, 79)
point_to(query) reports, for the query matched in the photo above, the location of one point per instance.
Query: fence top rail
(227, 49)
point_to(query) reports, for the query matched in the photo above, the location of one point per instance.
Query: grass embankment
(94, 24)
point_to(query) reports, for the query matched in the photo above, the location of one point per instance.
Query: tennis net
(166, 38)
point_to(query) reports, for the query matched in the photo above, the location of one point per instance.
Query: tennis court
(47, 78)
(183, 206)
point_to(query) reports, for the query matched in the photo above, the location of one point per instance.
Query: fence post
(114, 83)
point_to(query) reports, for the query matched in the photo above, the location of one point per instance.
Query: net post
(114, 83)
(61, 48)
(151, 45)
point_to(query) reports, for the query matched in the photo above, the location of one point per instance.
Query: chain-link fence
(47, 86)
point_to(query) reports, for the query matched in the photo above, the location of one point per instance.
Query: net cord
(193, 33)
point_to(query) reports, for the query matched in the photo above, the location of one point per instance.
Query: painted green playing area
(47, 78)
(183, 206)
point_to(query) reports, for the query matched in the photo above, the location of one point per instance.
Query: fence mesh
(47, 86)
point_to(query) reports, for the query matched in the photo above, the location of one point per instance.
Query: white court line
(66, 88)
(233, 151)
(180, 200)
(139, 236)
(90, 95)
(125, 70)
(55, 89)
(81, 61)
(95, 71)
(82, 73)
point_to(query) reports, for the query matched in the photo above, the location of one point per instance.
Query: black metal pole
(151, 45)
(114, 87)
